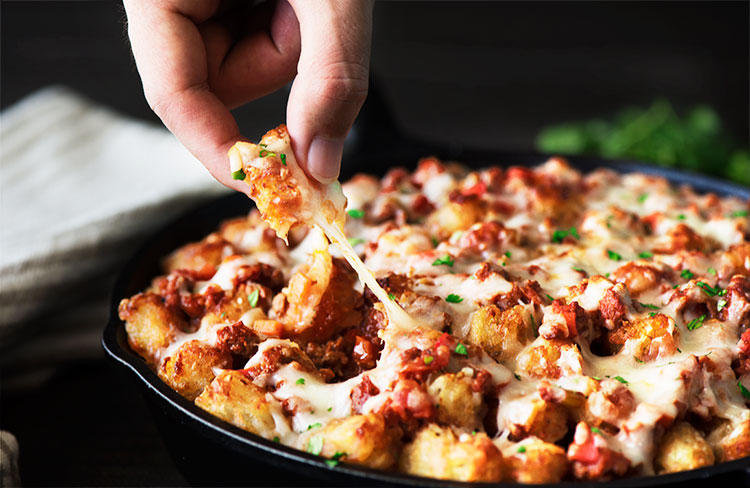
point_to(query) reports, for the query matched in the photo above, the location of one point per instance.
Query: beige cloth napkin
(79, 186)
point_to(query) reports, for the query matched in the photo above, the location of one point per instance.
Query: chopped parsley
(263, 153)
(646, 255)
(252, 298)
(561, 234)
(648, 305)
(238, 175)
(739, 213)
(613, 255)
(334, 461)
(652, 314)
(446, 260)
(353, 241)
(681, 217)
(551, 298)
(744, 391)
(283, 158)
(301, 381)
(687, 274)
(315, 444)
(391, 296)
(435, 242)
(314, 426)
(276, 439)
(521, 449)
(580, 270)
(428, 359)
(679, 350)
(711, 291)
(453, 298)
(517, 376)
(642, 197)
(597, 378)
(606, 275)
(356, 213)
(596, 430)
(720, 305)
(696, 323)
(621, 380)
(329, 409)
(508, 254)
(461, 349)
(638, 360)
(532, 320)
(712, 271)
(223, 314)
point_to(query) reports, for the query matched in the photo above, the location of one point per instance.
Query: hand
(198, 59)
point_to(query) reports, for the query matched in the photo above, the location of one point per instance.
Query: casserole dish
(219, 452)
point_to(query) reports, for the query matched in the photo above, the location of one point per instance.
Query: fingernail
(324, 159)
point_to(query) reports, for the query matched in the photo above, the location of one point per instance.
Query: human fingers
(331, 82)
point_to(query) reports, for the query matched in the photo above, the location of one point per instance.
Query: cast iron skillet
(212, 452)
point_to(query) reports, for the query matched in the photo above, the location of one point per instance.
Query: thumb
(331, 82)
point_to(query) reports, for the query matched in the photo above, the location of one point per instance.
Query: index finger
(171, 59)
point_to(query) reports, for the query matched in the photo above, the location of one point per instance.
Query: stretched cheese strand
(396, 315)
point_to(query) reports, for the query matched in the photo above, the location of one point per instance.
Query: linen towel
(79, 185)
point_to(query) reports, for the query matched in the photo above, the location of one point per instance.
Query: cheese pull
(286, 196)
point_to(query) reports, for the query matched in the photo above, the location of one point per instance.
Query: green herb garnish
(445, 260)
(238, 175)
(314, 426)
(252, 298)
(739, 213)
(428, 359)
(711, 291)
(283, 158)
(334, 461)
(696, 323)
(276, 439)
(551, 298)
(681, 217)
(561, 234)
(621, 380)
(508, 254)
(744, 391)
(648, 305)
(391, 296)
(435, 242)
(642, 197)
(596, 430)
(613, 255)
(356, 213)
(720, 305)
(521, 449)
(517, 376)
(353, 241)
(315, 445)
(638, 360)
(687, 274)
(646, 255)
(652, 314)
(301, 381)
(461, 349)
(453, 298)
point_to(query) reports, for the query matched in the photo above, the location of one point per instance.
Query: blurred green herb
(657, 134)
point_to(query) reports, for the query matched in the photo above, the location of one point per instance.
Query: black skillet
(210, 451)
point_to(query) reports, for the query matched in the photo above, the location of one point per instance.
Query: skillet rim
(115, 345)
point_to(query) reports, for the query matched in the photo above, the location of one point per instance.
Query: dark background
(486, 75)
